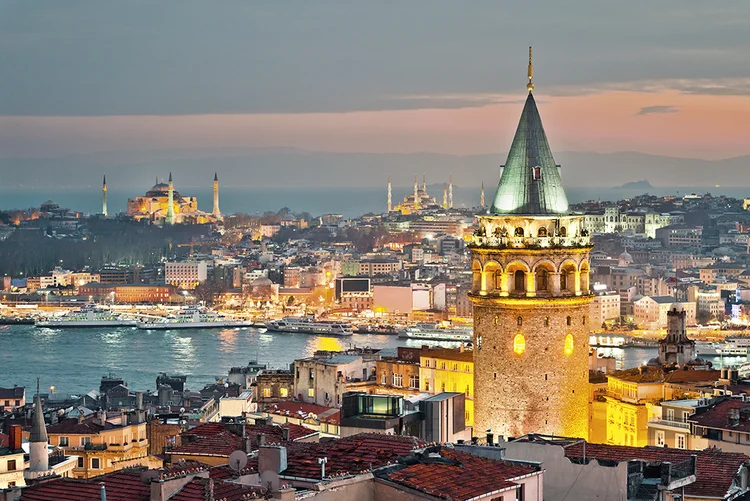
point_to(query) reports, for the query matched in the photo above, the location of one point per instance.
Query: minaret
(104, 196)
(424, 183)
(450, 191)
(390, 199)
(216, 212)
(531, 297)
(445, 195)
(170, 202)
(416, 194)
(38, 455)
(481, 197)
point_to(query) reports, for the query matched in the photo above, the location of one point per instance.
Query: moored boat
(90, 315)
(306, 325)
(192, 318)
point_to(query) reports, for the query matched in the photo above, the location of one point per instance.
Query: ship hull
(191, 325)
(84, 324)
(306, 330)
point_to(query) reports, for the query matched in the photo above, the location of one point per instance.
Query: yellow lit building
(449, 370)
(155, 205)
(630, 397)
(103, 446)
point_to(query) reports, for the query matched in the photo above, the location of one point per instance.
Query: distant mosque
(163, 204)
(420, 200)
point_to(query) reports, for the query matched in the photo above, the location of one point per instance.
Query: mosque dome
(677, 307)
(160, 187)
(625, 258)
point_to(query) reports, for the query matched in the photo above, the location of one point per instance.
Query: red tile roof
(123, 485)
(196, 490)
(718, 416)
(353, 454)
(715, 470)
(71, 426)
(464, 476)
(302, 410)
(4, 440)
(215, 439)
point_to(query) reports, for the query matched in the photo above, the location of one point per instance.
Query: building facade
(530, 289)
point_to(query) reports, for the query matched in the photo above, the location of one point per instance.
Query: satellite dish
(238, 460)
(149, 476)
(270, 480)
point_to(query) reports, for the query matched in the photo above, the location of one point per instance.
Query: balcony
(507, 242)
(669, 422)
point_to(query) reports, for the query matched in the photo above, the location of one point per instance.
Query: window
(312, 373)
(519, 344)
(95, 463)
(7, 403)
(546, 321)
(11, 465)
(311, 392)
(542, 232)
(542, 280)
(442, 365)
(63, 442)
(442, 388)
(80, 462)
(568, 349)
(383, 378)
(85, 441)
(520, 281)
(414, 382)
(519, 232)
(398, 379)
(426, 385)
(327, 398)
(468, 390)
(479, 343)
(680, 441)
(18, 402)
(659, 437)
(455, 367)
(519, 321)
(266, 392)
(670, 414)
(569, 321)
(283, 392)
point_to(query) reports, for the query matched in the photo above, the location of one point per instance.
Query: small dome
(261, 282)
(677, 307)
(625, 258)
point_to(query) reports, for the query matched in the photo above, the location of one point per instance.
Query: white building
(605, 306)
(237, 406)
(650, 312)
(185, 274)
(324, 380)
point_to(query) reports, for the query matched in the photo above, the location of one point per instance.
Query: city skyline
(663, 80)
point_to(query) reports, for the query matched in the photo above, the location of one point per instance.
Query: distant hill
(292, 167)
(642, 186)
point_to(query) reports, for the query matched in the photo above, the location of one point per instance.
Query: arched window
(563, 280)
(542, 232)
(520, 281)
(546, 321)
(519, 344)
(569, 321)
(519, 321)
(563, 231)
(519, 232)
(568, 348)
(542, 280)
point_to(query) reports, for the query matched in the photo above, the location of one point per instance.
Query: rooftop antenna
(530, 85)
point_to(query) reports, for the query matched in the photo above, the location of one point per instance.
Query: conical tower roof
(530, 183)
(38, 428)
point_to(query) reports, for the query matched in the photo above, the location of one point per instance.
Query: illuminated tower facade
(530, 290)
(481, 197)
(416, 194)
(445, 195)
(104, 196)
(216, 212)
(170, 202)
(390, 195)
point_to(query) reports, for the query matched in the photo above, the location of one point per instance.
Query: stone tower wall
(542, 390)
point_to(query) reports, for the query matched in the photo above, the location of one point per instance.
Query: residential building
(650, 312)
(12, 461)
(605, 307)
(670, 425)
(274, 386)
(323, 380)
(10, 398)
(725, 426)
(449, 370)
(680, 236)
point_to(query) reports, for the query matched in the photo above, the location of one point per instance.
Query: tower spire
(445, 195)
(424, 183)
(530, 85)
(216, 212)
(170, 202)
(416, 193)
(390, 200)
(481, 197)
(450, 191)
(104, 196)
(38, 455)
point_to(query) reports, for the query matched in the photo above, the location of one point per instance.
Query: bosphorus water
(74, 360)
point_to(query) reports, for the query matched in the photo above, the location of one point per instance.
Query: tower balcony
(479, 241)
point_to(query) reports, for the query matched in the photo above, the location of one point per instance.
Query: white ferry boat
(438, 332)
(306, 325)
(192, 318)
(90, 315)
(732, 348)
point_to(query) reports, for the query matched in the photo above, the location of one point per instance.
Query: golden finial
(530, 85)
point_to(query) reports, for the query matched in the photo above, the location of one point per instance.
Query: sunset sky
(669, 77)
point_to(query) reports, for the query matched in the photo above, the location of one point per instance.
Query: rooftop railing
(507, 242)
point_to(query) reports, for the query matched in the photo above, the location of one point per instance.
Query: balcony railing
(500, 242)
(670, 422)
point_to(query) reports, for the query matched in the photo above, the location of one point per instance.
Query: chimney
(285, 434)
(490, 439)
(102, 491)
(272, 457)
(16, 437)
(139, 401)
(284, 494)
(123, 418)
(101, 417)
(261, 439)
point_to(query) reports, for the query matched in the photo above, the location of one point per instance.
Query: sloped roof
(461, 477)
(124, 485)
(718, 416)
(520, 191)
(715, 470)
(196, 490)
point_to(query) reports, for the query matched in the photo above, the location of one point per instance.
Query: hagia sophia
(164, 205)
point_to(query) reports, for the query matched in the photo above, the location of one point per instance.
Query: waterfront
(73, 360)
